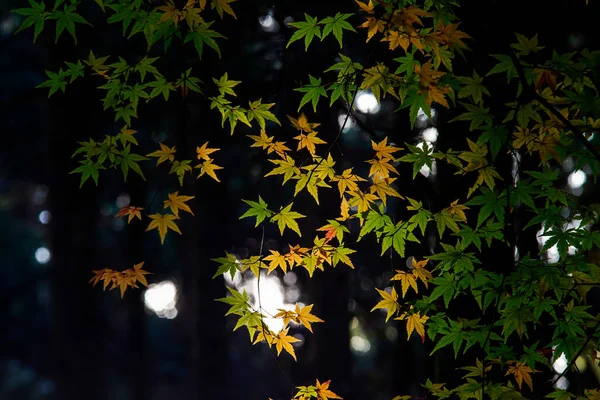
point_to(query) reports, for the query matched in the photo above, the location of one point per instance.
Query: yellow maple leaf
(457, 210)
(396, 39)
(304, 316)
(361, 200)
(177, 202)
(276, 259)
(373, 26)
(286, 167)
(407, 279)
(347, 181)
(344, 210)
(204, 151)
(165, 153)
(323, 392)
(420, 272)
(381, 186)
(131, 212)
(368, 8)
(521, 372)
(294, 257)
(383, 150)
(162, 223)
(415, 322)
(302, 124)
(283, 341)
(381, 167)
(222, 6)
(389, 302)
(208, 168)
(309, 141)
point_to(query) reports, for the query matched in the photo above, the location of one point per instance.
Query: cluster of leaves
(121, 279)
(553, 111)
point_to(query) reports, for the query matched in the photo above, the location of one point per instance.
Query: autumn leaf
(162, 223)
(286, 167)
(266, 143)
(164, 154)
(276, 259)
(415, 322)
(208, 168)
(177, 202)
(309, 141)
(420, 272)
(122, 280)
(521, 372)
(170, 12)
(304, 316)
(203, 152)
(334, 229)
(131, 212)
(407, 279)
(389, 302)
(347, 181)
(286, 218)
(283, 341)
(323, 392)
(302, 124)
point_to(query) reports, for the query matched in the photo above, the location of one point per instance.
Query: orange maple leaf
(131, 212)
(323, 392)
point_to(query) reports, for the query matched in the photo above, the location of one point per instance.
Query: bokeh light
(366, 102)
(162, 299)
(42, 255)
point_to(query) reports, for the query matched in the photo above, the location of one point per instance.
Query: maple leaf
(294, 257)
(307, 29)
(407, 279)
(137, 274)
(309, 141)
(208, 168)
(382, 187)
(302, 123)
(276, 259)
(177, 202)
(389, 302)
(457, 210)
(521, 372)
(304, 317)
(373, 26)
(238, 301)
(225, 85)
(451, 36)
(204, 151)
(381, 168)
(336, 25)
(368, 8)
(415, 322)
(170, 12)
(162, 223)
(420, 272)
(311, 182)
(361, 200)
(258, 210)
(283, 341)
(323, 392)
(313, 92)
(126, 135)
(261, 113)
(266, 142)
(383, 150)
(229, 263)
(180, 168)
(286, 167)
(222, 6)
(347, 181)
(164, 154)
(396, 39)
(334, 230)
(131, 212)
(287, 218)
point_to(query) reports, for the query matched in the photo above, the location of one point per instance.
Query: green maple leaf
(180, 168)
(145, 66)
(87, 169)
(129, 160)
(396, 236)
(259, 210)
(261, 113)
(477, 115)
(57, 81)
(225, 85)
(313, 92)
(286, 218)
(336, 25)
(66, 19)
(419, 157)
(473, 87)
(229, 263)
(34, 16)
(252, 319)
(74, 70)
(306, 29)
(160, 85)
(340, 254)
(444, 287)
(374, 221)
(490, 202)
(203, 35)
(238, 301)
(505, 65)
(526, 46)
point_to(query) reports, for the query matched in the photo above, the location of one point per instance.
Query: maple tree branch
(535, 95)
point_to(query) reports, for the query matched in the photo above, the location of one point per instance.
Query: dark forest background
(62, 339)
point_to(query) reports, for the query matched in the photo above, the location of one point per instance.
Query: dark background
(62, 339)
